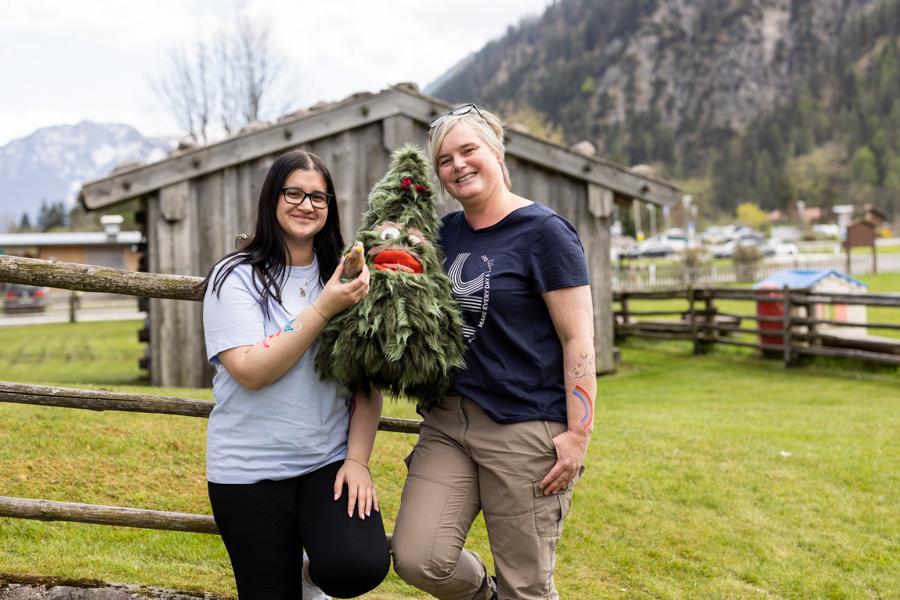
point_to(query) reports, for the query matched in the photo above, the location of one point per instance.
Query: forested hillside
(767, 101)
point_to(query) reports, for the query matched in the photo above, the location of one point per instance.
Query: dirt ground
(25, 588)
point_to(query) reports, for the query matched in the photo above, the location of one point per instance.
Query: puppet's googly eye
(414, 239)
(390, 233)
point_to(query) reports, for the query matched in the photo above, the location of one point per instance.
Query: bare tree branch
(228, 81)
(185, 89)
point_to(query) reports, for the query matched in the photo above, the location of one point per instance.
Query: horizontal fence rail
(793, 333)
(632, 276)
(101, 400)
(49, 510)
(91, 278)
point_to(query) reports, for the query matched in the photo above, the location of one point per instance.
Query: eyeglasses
(456, 112)
(296, 196)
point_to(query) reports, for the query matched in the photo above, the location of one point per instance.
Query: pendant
(302, 292)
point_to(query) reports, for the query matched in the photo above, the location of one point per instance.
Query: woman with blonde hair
(511, 438)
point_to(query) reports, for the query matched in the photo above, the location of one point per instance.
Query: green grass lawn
(719, 476)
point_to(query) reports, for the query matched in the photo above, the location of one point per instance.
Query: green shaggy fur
(405, 336)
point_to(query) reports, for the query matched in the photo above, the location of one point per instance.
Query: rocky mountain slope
(678, 82)
(50, 164)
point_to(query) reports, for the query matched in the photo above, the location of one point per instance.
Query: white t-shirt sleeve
(232, 315)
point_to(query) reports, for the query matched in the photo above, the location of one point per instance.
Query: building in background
(197, 200)
(108, 248)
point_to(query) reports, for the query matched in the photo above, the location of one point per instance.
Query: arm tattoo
(292, 325)
(584, 367)
(588, 405)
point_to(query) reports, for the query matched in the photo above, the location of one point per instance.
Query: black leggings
(266, 525)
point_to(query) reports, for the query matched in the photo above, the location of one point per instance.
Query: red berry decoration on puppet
(405, 336)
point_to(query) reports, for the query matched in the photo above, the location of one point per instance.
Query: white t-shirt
(291, 427)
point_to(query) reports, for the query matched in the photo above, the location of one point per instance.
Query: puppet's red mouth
(397, 261)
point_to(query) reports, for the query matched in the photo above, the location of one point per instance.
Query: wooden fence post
(710, 305)
(693, 316)
(709, 331)
(622, 332)
(786, 339)
(74, 302)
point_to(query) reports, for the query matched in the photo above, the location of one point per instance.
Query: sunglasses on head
(463, 109)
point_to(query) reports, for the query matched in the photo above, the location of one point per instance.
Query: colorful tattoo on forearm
(265, 342)
(588, 404)
(291, 326)
(584, 367)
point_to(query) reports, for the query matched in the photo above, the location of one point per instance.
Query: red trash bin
(770, 303)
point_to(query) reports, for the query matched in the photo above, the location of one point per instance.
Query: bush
(746, 259)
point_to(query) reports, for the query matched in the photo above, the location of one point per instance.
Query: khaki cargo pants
(465, 462)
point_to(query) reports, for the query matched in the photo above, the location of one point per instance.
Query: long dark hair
(267, 251)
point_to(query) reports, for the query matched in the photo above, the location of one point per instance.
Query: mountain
(51, 163)
(694, 85)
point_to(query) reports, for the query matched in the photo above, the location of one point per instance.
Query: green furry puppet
(405, 336)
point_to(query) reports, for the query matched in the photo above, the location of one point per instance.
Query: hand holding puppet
(405, 336)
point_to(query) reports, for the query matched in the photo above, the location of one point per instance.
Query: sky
(64, 61)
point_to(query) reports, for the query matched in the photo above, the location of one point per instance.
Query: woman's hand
(360, 489)
(337, 297)
(571, 448)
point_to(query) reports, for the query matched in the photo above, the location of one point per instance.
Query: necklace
(302, 288)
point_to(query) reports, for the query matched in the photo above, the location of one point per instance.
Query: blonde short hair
(486, 125)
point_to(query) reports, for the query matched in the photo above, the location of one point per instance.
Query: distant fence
(785, 322)
(90, 278)
(629, 275)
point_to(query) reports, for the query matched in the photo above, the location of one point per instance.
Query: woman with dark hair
(284, 446)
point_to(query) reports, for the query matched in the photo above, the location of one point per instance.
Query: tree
(227, 82)
(864, 166)
(25, 224)
(187, 89)
(51, 216)
(537, 124)
(749, 214)
(247, 67)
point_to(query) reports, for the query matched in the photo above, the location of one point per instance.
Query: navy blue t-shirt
(514, 361)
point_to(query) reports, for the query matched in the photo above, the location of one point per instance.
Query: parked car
(780, 248)
(749, 238)
(18, 297)
(662, 245)
(767, 248)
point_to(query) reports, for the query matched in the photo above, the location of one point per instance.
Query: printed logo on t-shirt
(472, 289)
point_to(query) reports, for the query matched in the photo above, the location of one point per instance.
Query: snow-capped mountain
(51, 163)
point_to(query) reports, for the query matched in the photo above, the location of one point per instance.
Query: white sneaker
(310, 590)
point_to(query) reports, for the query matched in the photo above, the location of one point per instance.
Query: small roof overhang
(68, 238)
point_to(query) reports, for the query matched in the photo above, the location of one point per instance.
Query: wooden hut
(196, 201)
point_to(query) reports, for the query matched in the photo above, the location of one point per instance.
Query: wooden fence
(784, 322)
(101, 279)
(636, 275)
